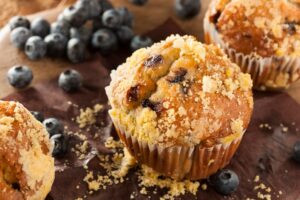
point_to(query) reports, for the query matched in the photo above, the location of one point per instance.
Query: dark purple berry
(18, 21)
(70, 80)
(178, 76)
(225, 181)
(60, 144)
(35, 48)
(139, 2)
(19, 76)
(76, 50)
(296, 152)
(155, 106)
(104, 40)
(76, 15)
(19, 36)
(53, 126)
(111, 18)
(139, 41)
(153, 61)
(38, 115)
(40, 27)
(62, 27)
(126, 16)
(125, 34)
(56, 44)
(93, 7)
(187, 8)
(83, 33)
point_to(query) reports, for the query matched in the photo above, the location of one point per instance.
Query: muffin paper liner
(180, 162)
(267, 73)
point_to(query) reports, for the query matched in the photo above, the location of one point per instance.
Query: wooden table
(147, 17)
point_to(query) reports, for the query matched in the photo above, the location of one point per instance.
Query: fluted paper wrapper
(267, 73)
(180, 162)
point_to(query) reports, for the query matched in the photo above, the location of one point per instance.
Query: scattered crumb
(113, 144)
(263, 191)
(265, 126)
(204, 187)
(88, 116)
(257, 178)
(149, 178)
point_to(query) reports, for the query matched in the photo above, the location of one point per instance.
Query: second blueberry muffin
(181, 107)
(261, 36)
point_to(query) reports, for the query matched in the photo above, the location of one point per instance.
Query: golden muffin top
(263, 27)
(180, 91)
(25, 152)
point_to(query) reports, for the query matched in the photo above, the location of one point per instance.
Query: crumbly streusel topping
(25, 139)
(180, 91)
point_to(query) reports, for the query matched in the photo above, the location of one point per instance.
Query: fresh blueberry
(61, 18)
(225, 181)
(104, 40)
(76, 50)
(83, 33)
(93, 7)
(70, 80)
(62, 27)
(76, 15)
(126, 16)
(60, 144)
(125, 34)
(105, 5)
(38, 115)
(19, 76)
(18, 21)
(296, 153)
(111, 18)
(53, 126)
(35, 48)
(19, 36)
(187, 8)
(139, 41)
(139, 2)
(40, 27)
(56, 44)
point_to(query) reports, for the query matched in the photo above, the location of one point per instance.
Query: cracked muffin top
(263, 27)
(180, 92)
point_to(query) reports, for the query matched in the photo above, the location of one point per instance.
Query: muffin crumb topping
(173, 102)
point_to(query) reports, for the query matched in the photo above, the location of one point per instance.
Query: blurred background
(147, 17)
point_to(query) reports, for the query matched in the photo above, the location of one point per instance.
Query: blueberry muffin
(26, 164)
(181, 107)
(262, 37)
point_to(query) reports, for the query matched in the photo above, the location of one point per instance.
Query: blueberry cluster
(56, 133)
(93, 24)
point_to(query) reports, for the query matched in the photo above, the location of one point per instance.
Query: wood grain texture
(147, 17)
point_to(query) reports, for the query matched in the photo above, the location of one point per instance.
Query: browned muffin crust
(263, 27)
(181, 92)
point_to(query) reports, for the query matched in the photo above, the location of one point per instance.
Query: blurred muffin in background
(261, 36)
